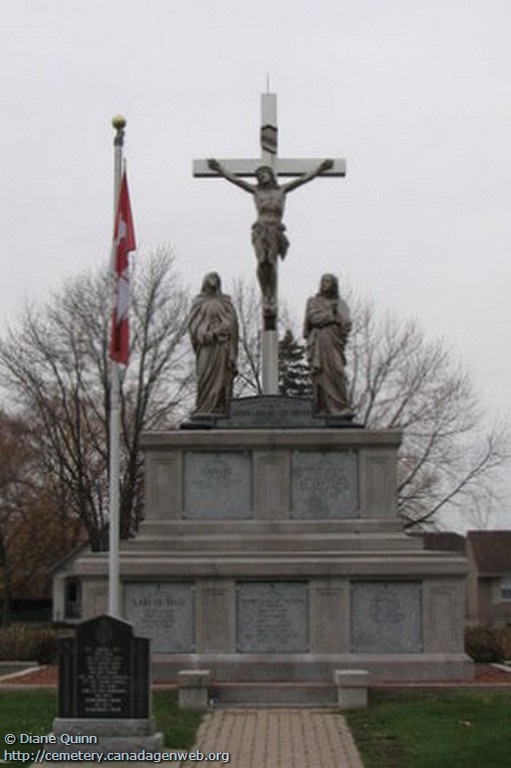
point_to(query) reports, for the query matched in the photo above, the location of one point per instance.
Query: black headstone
(104, 671)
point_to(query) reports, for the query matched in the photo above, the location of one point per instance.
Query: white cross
(269, 155)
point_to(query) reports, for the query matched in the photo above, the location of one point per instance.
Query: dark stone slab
(104, 671)
(267, 411)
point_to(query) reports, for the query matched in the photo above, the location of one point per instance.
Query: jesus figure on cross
(268, 232)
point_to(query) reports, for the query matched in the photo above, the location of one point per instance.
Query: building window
(505, 588)
(72, 599)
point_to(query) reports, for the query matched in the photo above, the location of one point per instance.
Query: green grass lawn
(448, 731)
(33, 712)
(179, 726)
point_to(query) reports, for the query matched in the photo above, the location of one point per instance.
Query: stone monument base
(110, 734)
(275, 554)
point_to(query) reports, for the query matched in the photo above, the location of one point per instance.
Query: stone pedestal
(352, 687)
(272, 551)
(193, 688)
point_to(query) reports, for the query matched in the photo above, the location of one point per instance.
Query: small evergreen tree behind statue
(294, 376)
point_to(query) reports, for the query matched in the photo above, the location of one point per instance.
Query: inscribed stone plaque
(272, 617)
(104, 671)
(386, 617)
(324, 484)
(269, 411)
(162, 612)
(217, 485)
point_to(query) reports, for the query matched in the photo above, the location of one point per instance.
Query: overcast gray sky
(416, 96)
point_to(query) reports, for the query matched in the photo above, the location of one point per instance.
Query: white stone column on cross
(291, 167)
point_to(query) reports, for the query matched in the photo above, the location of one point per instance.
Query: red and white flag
(124, 242)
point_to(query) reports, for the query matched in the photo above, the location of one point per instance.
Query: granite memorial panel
(164, 613)
(272, 617)
(386, 617)
(324, 484)
(217, 485)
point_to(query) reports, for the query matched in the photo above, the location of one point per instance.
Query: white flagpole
(114, 609)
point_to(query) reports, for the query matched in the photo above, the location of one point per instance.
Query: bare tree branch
(55, 362)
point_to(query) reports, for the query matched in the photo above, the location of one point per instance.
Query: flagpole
(119, 123)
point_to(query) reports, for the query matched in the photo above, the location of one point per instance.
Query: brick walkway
(278, 738)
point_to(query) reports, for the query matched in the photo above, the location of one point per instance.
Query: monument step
(305, 542)
(273, 695)
(268, 527)
(143, 565)
(423, 561)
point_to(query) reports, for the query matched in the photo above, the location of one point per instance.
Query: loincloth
(269, 239)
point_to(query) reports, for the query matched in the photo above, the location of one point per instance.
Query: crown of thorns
(265, 168)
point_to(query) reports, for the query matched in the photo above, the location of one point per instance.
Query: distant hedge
(23, 642)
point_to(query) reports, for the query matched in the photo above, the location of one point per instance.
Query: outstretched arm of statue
(322, 167)
(219, 168)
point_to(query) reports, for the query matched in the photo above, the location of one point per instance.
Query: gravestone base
(112, 734)
(272, 551)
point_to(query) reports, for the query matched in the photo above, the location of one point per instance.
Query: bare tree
(55, 362)
(400, 380)
(37, 527)
(247, 303)
(14, 467)
(450, 457)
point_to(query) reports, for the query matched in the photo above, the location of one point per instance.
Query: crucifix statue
(268, 232)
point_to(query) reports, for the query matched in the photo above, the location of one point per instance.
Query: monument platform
(270, 412)
(277, 555)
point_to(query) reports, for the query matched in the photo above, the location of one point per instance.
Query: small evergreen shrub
(482, 645)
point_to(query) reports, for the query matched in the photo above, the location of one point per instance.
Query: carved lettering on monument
(386, 607)
(386, 617)
(272, 617)
(219, 471)
(162, 612)
(104, 682)
(217, 485)
(271, 412)
(324, 484)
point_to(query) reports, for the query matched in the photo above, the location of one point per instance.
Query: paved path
(278, 738)
(264, 738)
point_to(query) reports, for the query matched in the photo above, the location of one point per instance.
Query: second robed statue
(326, 329)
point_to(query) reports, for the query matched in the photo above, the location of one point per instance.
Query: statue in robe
(326, 329)
(213, 328)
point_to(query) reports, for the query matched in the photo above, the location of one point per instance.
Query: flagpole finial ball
(119, 122)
